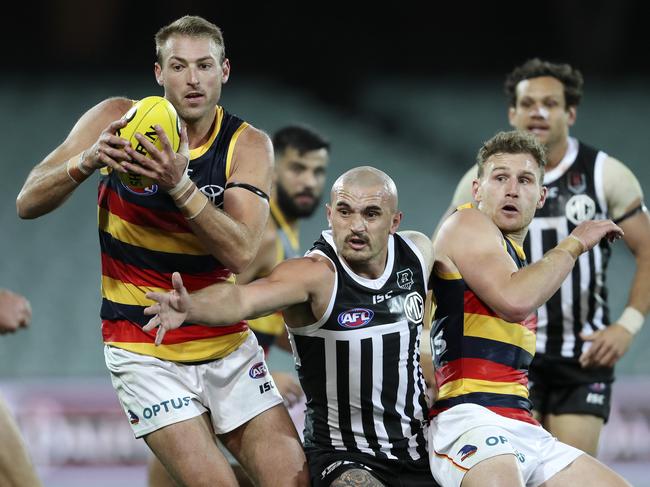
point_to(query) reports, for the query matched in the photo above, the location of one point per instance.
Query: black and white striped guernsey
(576, 194)
(359, 364)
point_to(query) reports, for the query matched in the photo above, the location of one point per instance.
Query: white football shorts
(156, 393)
(467, 434)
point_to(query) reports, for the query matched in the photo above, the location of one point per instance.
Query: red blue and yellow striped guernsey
(479, 357)
(144, 238)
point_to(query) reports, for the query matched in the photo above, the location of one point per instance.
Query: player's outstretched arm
(91, 144)
(292, 282)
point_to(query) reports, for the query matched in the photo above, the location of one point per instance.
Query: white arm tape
(182, 185)
(631, 319)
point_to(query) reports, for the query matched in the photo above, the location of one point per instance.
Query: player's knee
(356, 477)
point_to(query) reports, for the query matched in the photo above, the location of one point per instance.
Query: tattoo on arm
(356, 478)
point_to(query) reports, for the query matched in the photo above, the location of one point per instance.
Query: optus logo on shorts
(167, 406)
(355, 318)
(258, 371)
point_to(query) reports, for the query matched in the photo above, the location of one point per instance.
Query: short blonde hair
(513, 142)
(191, 26)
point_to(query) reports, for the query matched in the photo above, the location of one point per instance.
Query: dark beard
(290, 209)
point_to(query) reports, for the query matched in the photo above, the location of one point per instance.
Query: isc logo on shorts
(258, 371)
(355, 318)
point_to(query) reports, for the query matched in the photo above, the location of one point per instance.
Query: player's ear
(511, 116)
(572, 115)
(157, 70)
(225, 69)
(542, 197)
(328, 209)
(397, 219)
(476, 190)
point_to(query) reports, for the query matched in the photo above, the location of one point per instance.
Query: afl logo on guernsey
(355, 318)
(258, 371)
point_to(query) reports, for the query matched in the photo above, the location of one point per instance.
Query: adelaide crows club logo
(133, 417)
(467, 451)
(136, 184)
(355, 318)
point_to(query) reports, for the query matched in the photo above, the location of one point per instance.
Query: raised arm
(91, 144)
(293, 282)
(471, 244)
(234, 234)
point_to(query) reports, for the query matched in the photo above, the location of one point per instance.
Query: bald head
(364, 178)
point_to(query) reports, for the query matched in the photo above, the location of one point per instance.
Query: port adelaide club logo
(405, 279)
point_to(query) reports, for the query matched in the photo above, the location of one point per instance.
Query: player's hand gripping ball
(150, 111)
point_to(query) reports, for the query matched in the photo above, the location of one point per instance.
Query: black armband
(632, 212)
(250, 188)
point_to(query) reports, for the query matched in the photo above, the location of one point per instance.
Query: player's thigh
(581, 431)
(189, 452)
(499, 471)
(586, 470)
(238, 388)
(159, 477)
(269, 449)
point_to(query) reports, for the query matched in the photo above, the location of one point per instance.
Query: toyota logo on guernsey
(258, 371)
(355, 318)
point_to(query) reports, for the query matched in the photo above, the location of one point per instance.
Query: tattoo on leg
(356, 478)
